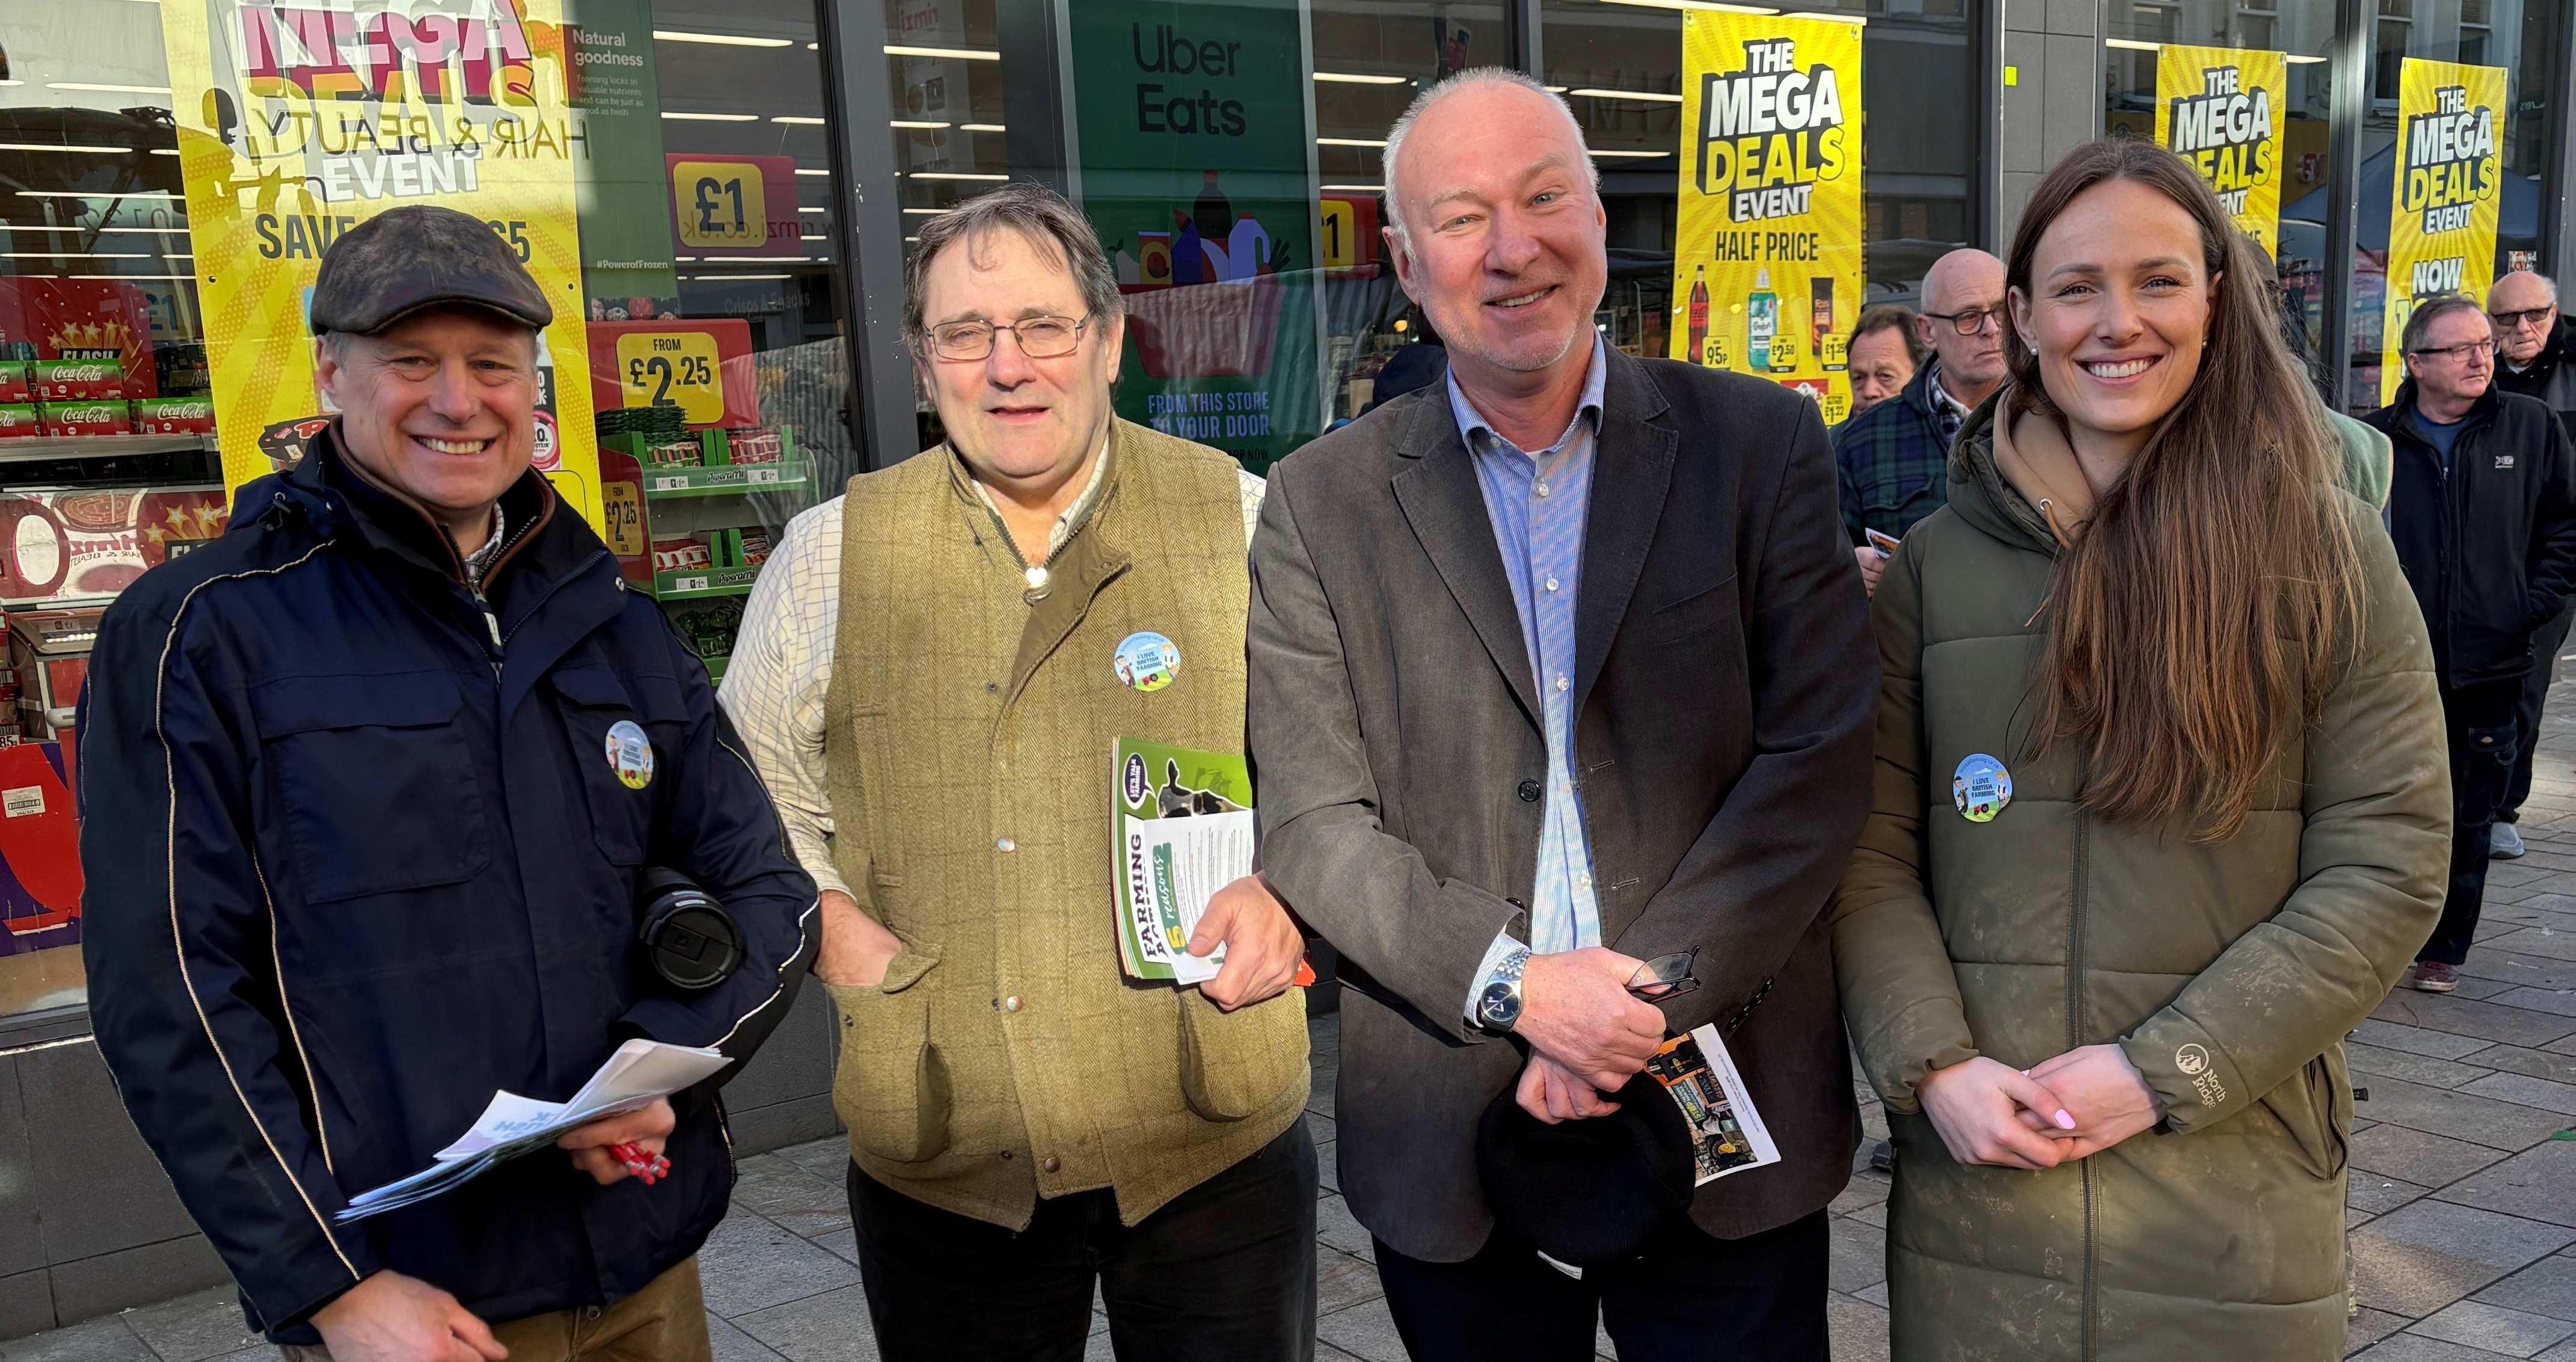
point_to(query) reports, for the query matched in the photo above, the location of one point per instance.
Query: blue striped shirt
(1537, 503)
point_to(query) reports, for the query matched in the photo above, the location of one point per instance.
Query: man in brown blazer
(1558, 666)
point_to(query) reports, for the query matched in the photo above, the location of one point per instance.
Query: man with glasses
(966, 636)
(2532, 348)
(2484, 521)
(1893, 459)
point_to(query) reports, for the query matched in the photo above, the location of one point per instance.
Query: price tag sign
(1784, 352)
(625, 520)
(720, 204)
(671, 369)
(669, 483)
(760, 475)
(1341, 234)
(1837, 354)
(688, 584)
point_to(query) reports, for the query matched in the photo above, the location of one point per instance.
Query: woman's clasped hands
(2070, 1107)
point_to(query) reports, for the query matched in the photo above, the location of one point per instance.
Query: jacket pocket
(1694, 612)
(590, 702)
(891, 1087)
(2315, 1107)
(376, 797)
(1234, 1064)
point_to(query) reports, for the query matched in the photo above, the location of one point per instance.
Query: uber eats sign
(1193, 136)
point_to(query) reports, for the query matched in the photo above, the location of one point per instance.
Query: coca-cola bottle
(1699, 315)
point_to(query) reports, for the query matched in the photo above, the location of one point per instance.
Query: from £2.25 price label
(671, 369)
(625, 522)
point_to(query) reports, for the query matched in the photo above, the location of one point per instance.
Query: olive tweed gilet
(968, 734)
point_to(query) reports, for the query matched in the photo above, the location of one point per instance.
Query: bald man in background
(2535, 356)
(1892, 458)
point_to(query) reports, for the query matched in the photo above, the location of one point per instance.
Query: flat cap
(405, 259)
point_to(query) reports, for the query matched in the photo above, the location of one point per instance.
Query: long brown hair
(2196, 623)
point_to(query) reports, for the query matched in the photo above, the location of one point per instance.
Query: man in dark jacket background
(2484, 521)
(369, 783)
(2532, 347)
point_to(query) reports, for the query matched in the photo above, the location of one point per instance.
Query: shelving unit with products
(689, 500)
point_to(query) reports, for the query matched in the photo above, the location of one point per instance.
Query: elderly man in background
(2536, 357)
(2483, 516)
(1893, 459)
(967, 634)
(1556, 669)
(1883, 355)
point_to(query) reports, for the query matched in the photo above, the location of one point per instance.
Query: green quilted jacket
(2227, 973)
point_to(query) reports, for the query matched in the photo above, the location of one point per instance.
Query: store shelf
(725, 480)
(691, 584)
(27, 449)
(716, 667)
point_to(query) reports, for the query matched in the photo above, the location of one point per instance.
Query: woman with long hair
(2162, 811)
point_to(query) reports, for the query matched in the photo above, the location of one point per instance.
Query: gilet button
(1006, 844)
(1011, 1004)
(1529, 791)
(1051, 1165)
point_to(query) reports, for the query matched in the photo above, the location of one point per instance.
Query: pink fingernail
(2064, 1121)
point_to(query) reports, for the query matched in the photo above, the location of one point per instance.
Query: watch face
(1500, 1006)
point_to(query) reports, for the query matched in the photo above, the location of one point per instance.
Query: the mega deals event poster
(2443, 203)
(299, 121)
(2222, 109)
(1767, 275)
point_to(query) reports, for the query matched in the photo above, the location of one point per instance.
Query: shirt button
(1006, 844)
(1051, 1165)
(1541, 489)
(1529, 791)
(1551, 584)
(1584, 880)
(1011, 1004)
(1562, 683)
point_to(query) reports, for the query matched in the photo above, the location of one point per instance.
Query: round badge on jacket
(1981, 788)
(630, 754)
(1146, 661)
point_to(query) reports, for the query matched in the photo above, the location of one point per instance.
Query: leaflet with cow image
(1182, 821)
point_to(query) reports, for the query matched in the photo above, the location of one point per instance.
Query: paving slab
(2514, 1333)
(2547, 1287)
(750, 1264)
(2479, 1120)
(2538, 1184)
(2429, 1253)
(2546, 1094)
(2557, 1068)
(829, 1327)
(2424, 1069)
(194, 1327)
(1365, 1331)
(2469, 1017)
(2415, 1040)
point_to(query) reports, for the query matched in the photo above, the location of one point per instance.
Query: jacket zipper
(2076, 1010)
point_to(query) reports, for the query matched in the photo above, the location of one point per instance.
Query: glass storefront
(1227, 153)
(692, 181)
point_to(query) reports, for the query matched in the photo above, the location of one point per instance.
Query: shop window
(2254, 107)
(2423, 226)
(663, 168)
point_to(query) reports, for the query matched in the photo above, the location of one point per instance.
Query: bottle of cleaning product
(1699, 315)
(1761, 321)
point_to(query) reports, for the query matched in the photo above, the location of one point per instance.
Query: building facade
(730, 190)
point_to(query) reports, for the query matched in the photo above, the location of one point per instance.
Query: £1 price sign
(739, 205)
(671, 369)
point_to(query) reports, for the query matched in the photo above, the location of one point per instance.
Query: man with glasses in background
(2532, 351)
(1894, 458)
(967, 634)
(2484, 521)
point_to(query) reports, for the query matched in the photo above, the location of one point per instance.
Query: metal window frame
(869, 228)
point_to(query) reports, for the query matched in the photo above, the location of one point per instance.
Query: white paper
(511, 1125)
(1204, 854)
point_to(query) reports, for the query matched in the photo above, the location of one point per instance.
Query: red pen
(643, 1163)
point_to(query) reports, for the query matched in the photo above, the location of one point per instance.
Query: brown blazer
(1724, 690)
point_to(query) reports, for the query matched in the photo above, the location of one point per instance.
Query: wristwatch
(1498, 1008)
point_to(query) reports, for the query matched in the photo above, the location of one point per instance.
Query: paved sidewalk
(2463, 1181)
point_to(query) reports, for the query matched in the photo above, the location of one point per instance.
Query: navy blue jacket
(356, 857)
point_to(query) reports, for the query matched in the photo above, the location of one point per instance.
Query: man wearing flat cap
(369, 784)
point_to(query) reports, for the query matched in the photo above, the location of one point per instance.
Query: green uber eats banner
(1193, 131)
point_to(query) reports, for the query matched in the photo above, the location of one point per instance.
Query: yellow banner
(2222, 109)
(2443, 203)
(299, 119)
(1767, 272)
